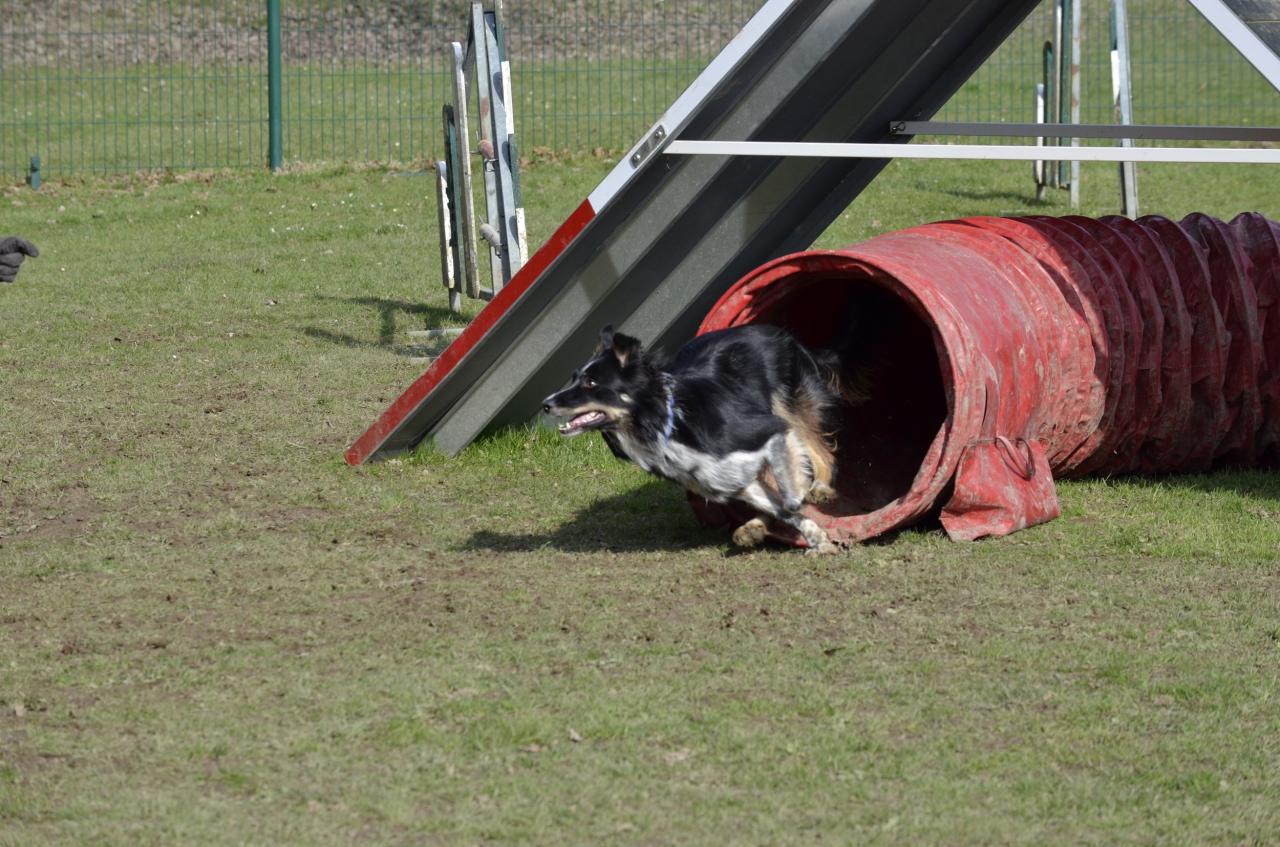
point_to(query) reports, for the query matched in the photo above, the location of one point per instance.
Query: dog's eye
(589, 383)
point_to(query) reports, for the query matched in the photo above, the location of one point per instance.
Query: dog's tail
(851, 386)
(849, 359)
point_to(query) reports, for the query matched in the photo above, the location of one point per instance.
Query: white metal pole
(1124, 105)
(1006, 152)
(470, 271)
(1037, 167)
(1055, 102)
(1076, 47)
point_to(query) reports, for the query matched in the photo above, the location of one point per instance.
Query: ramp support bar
(1023, 153)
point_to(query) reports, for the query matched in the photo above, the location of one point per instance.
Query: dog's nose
(546, 408)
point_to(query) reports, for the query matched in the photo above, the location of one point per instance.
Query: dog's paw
(816, 538)
(750, 534)
(820, 492)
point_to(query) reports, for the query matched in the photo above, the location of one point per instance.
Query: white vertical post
(1038, 166)
(470, 272)
(1124, 103)
(484, 42)
(1076, 47)
(1056, 94)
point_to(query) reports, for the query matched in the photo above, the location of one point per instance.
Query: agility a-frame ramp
(663, 236)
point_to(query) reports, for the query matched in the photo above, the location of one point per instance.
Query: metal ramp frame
(1252, 27)
(662, 236)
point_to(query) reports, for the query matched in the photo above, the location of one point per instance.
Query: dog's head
(602, 393)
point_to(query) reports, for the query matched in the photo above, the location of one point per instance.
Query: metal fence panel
(1183, 71)
(108, 86)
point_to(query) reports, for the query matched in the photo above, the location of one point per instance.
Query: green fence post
(1050, 110)
(275, 142)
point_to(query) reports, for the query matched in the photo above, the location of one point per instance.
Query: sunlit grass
(214, 631)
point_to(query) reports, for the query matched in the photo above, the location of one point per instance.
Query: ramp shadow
(653, 517)
(391, 313)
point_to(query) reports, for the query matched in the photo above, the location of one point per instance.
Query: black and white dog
(743, 414)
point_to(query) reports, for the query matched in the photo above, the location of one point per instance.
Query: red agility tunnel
(1009, 351)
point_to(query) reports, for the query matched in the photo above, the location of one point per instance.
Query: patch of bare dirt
(68, 512)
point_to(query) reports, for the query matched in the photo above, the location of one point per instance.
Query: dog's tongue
(578, 422)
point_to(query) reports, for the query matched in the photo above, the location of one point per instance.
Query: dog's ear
(625, 348)
(606, 339)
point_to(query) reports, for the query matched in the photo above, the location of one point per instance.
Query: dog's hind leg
(751, 533)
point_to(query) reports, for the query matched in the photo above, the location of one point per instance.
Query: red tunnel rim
(947, 444)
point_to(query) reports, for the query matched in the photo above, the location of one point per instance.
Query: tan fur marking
(770, 482)
(801, 460)
(806, 425)
(821, 493)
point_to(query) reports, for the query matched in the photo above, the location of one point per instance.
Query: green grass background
(91, 111)
(212, 631)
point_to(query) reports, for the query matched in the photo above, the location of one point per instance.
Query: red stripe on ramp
(417, 393)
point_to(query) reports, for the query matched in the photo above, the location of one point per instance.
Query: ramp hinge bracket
(647, 146)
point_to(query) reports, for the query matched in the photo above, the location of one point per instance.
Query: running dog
(743, 414)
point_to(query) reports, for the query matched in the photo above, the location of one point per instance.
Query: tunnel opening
(891, 356)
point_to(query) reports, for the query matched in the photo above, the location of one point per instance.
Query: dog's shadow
(653, 517)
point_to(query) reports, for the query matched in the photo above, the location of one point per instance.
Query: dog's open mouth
(579, 424)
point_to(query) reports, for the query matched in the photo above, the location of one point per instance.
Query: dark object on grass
(13, 250)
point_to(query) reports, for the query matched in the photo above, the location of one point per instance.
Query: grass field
(212, 631)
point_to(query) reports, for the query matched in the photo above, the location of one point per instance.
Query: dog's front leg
(784, 471)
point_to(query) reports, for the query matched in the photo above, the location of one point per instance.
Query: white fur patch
(717, 478)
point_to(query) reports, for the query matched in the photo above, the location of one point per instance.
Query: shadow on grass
(389, 313)
(656, 517)
(1256, 483)
(1022, 200)
(653, 517)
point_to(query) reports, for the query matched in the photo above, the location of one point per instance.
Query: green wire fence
(109, 86)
